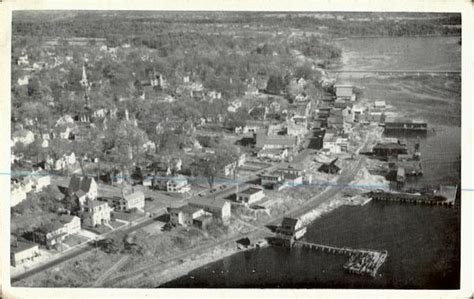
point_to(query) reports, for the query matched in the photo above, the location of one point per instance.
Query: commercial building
(22, 251)
(250, 195)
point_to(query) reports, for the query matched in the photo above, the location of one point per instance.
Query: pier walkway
(361, 261)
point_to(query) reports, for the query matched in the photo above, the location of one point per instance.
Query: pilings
(410, 198)
(361, 261)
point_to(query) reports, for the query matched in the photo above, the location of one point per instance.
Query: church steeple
(85, 83)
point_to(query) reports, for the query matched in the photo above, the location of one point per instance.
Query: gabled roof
(291, 222)
(77, 183)
(133, 196)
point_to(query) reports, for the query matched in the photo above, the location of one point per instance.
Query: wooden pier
(444, 197)
(361, 261)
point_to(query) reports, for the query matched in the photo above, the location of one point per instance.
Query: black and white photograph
(232, 149)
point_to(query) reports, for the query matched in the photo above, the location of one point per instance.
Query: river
(423, 241)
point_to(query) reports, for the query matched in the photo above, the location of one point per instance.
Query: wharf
(361, 261)
(444, 196)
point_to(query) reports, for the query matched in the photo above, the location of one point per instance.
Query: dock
(444, 196)
(361, 261)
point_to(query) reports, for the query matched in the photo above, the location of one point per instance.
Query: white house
(178, 184)
(23, 136)
(251, 195)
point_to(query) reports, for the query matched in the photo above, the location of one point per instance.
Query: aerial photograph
(235, 149)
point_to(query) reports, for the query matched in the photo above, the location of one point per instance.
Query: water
(422, 241)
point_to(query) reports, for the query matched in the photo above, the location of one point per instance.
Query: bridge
(398, 72)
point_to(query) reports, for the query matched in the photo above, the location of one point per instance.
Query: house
(252, 127)
(22, 60)
(71, 224)
(265, 141)
(273, 154)
(22, 81)
(292, 180)
(23, 136)
(236, 104)
(39, 180)
(22, 251)
(132, 200)
(275, 107)
(291, 227)
(50, 234)
(294, 129)
(178, 184)
(17, 193)
(250, 195)
(96, 212)
(83, 188)
(331, 145)
(358, 112)
(218, 207)
(65, 161)
(345, 91)
(330, 168)
(380, 105)
(185, 215)
(290, 169)
(271, 179)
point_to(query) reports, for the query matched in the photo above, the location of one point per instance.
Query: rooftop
(251, 191)
(208, 202)
(21, 246)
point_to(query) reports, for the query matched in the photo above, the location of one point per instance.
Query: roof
(403, 120)
(22, 246)
(135, 195)
(291, 176)
(50, 227)
(95, 203)
(208, 202)
(251, 191)
(203, 218)
(189, 209)
(22, 133)
(287, 221)
(67, 218)
(390, 145)
(80, 183)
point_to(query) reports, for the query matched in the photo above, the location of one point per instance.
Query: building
(265, 141)
(50, 234)
(71, 224)
(291, 227)
(380, 105)
(23, 136)
(22, 251)
(178, 184)
(273, 154)
(185, 215)
(389, 149)
(345, 91)
(39, 180)
(83, 188)
(96, 212)
(405, 125)
(250, 195)
(330, 168)
(218, 207)
(271, 179)
(280, 179)
(18, 193)
(132, 200)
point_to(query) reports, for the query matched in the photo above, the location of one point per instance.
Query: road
(78, 251)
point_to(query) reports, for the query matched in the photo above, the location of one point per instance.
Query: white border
(462, 6)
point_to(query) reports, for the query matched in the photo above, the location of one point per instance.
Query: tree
(275, 84)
